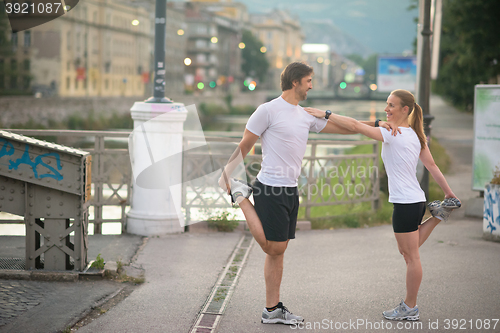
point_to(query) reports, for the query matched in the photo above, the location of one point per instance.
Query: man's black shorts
(277, 208)
(407, 217)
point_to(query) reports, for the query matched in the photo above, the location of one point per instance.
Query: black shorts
(407, 217)
(277, 208)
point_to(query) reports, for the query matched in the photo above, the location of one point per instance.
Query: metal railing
(328, 176)
(325, 166)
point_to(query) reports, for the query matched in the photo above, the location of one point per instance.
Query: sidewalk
(331, 277)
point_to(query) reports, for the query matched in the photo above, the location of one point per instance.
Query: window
(76, 84)
(26, 64)
(13, 39)
(13, 82)
(27, 38)
(68, 40)
(2, 82)
(201, 43)
(26, 82)
(13, 64)
(68, 83)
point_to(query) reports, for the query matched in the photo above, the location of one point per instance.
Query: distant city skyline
(383, 26)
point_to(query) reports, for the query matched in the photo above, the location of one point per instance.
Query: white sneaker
(443, 209)
(240, 190)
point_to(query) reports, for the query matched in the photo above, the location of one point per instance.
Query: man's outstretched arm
(247, 142)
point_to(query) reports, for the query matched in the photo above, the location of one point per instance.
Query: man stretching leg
(284, 128)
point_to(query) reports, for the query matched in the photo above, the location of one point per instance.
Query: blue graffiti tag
(4, 151)
(25, 159)
(491, 198)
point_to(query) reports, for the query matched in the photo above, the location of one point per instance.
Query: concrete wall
(15, 110)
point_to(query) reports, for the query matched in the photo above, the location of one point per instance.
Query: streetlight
(425, 83)
(159, 65)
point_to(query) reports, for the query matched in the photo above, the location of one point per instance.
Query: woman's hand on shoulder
(315, 112)
(390, 127)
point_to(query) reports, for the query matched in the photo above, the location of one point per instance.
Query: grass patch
(342, 216)
(443, 161)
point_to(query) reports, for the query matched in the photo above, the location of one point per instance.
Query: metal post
(425, 83)
(159, 74)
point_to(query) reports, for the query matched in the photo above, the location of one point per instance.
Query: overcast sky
(385, 26)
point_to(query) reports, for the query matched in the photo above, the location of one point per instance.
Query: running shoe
(239, 190)
(443, 209)
(401, 312)
(280, 315)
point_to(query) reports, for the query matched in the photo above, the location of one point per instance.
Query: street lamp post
(159, 64)
(425, 82)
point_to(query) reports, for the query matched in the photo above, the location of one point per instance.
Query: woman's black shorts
(407, 217)
(277, 208)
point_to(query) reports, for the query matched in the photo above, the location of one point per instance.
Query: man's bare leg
(254, 223)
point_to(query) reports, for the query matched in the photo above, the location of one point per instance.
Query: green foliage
(369, 65)
(443, 161)
(361, 219)
(98, 263)
(469, 49)
(5, 31)
(211, 109)
(242, 110)
(78, 122)
(223, 222)
(254, 62)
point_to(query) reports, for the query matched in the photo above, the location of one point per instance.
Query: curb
(10, 274)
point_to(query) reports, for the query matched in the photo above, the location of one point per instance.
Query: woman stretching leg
(400, 154)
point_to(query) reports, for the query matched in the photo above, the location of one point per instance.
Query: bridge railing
(329, 176)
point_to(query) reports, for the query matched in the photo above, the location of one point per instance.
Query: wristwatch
(376, 122)
(328, 113)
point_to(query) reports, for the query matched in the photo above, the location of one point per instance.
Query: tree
(470, 49)
(369, 65)
(5, 45)
(255, 63)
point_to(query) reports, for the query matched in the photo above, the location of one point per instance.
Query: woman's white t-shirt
(284, 130)
(400, 154)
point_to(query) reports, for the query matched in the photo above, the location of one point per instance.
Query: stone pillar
(157, 135)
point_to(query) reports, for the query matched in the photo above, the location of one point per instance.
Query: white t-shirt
(400, 154)
(284, 129)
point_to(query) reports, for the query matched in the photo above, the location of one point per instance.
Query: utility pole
(159, 64)
(424, 85)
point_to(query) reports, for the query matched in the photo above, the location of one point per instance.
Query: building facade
(99, 48)
(212, 52)
(282, 36)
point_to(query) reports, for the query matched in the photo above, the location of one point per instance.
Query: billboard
(396, 72)
(486, 134)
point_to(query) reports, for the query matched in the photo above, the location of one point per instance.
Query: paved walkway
(339, 280)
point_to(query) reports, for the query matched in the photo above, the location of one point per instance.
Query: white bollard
(157, 135)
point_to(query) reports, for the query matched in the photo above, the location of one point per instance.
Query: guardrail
(349, 178)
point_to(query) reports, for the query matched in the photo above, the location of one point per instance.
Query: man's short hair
(294, 72)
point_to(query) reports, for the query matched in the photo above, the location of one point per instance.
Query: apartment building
(282, 36)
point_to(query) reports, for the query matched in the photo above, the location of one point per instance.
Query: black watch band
(328, 113)
(376, 122)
